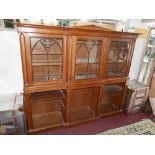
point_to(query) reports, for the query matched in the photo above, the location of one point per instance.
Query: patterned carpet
(144, 127)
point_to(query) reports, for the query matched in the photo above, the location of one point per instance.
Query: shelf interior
(82, 113)
(116, 69)
(47, 55)
(48, 108)
(84, 104)
(117, 58)
(87, 59)
(111, 98)
(47, 119)
(49, 95)
(113, 88)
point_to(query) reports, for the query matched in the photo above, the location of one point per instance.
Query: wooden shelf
(47, 63)
(112, 88)
(45, 78)
(89, 63)
(82, 113)
(117, 62)
(47, 119)
(45, 96)
(119, 49)
(108, 108)
(85, 60)
(114, 73)
(86, 76)
(35, 52)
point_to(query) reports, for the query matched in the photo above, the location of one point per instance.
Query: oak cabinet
(73, 75)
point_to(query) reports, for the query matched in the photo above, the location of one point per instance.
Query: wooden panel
(84, 97)
(47, 119)
(73, 31)
(83, 113)
(43, 88)
(28, 58)
(50, 95)
(46, 107)
(83, 104)
(23, 56)
(28, 111)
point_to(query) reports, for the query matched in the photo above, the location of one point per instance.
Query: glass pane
(87, 59)
(46, 58)
(84, 104)
(111, 98)
(148, 60)
(117, 58)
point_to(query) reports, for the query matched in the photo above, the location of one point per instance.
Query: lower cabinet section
(57, 108)
(111, 98)
(48, 108)
(83, 104)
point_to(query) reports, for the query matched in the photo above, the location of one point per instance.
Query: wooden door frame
(29, 58)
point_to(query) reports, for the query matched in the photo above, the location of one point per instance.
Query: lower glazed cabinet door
(48, 109)
(83, 104)
(111, 98)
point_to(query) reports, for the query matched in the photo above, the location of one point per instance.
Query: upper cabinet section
(53, 55)
(118, 56)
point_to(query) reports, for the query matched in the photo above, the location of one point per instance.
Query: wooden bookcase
(73, 75)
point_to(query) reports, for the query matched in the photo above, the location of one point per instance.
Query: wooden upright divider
(73, 75)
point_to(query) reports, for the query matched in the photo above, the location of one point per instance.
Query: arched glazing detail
(117, 58)
(87, 59)
(46, 58)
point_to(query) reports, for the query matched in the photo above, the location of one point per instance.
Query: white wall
(11, 78)
(138, 54)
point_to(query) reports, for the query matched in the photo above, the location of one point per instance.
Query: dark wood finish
(54, 95)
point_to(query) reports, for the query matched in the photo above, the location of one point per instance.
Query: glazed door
(46, 56)
(86, 57)
(118, 58)
(111, 98)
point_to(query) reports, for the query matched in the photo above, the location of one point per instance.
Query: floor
(90, 128)
(101, 125)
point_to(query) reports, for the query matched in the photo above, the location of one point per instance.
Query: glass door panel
(117, 58)
(87, 59)
(148, 63)
(112, 95)
(47, 58)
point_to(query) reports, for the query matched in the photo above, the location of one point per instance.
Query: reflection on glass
(117, 58)
(87, 59)
(148, 60)
(46, 58)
